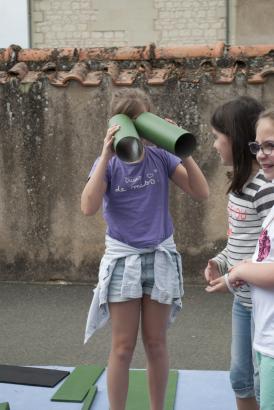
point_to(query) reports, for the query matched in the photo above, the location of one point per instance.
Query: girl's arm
(221, 260)
(258, 274)
(92, 195)
(190, 179)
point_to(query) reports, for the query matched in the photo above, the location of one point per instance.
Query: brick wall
(89, 23)
(190, 22)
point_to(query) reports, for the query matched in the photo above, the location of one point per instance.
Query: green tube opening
(129, 149)
(185, 145)
(127, 143)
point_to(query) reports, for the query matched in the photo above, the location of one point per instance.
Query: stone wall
(53, 116)
(101, 23)
(190, 22)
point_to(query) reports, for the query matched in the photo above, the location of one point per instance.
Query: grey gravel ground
(43, 324)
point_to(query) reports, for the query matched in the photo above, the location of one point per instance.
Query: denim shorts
(244, 374)
(266, 369)
(147, 277)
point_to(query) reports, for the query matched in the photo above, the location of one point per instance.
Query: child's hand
(108, 150)
(211, 271)
(217, 285)
(234, 275)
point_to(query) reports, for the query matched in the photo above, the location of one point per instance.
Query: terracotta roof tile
(78, 73)
(112, 68)
(190, 51)
(9, 54)
(115, 53)
(5, 55)
(250, 51)
(31, 77)
(58, 79)
(62, 78)
(3, 77)
(145, 67)
(207, 65)
(35, 54)
(124, 65)
(158, 76)
(261, 76)
(48, 67)
(46, 54)
(126, 77)
(19, 70)
(93, 78)
(227, 75)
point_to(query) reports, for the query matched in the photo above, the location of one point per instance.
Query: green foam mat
(77, 385)
(4, 406)
(89, 398)
(171, 390)
(138, 397)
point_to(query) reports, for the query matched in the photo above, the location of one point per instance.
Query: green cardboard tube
(165, 135)
(127, 143)
(4, 406)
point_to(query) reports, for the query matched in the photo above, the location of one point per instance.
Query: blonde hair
(130, 102)
(269, 113)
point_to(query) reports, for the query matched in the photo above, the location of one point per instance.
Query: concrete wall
(104, 23)
(252, 21)
(51, 135)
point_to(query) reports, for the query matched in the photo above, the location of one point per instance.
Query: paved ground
(44, 325)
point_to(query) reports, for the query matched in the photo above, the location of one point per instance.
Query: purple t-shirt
(135, 205)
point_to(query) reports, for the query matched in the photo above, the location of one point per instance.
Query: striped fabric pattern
(246, 213)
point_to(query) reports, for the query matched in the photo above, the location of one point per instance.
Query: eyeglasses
(266, 147)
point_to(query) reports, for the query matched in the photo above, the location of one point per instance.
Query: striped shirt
(246, 213)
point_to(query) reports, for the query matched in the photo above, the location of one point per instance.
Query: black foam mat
(33, 376)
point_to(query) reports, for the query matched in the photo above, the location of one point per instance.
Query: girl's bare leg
(247, 404)
(154, 326)
(125, 318)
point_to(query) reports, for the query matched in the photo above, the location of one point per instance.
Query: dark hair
(237, 119)
(131, 102)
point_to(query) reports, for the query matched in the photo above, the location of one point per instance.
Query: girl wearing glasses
(259, 272)
(250, 199)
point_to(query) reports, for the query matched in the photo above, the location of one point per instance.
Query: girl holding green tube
(140, 276)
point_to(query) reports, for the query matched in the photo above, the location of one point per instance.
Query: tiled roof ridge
(220, 62)
(151, 51)
(15, 52)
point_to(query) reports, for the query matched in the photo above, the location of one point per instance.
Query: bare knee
(123, 351)
(155, 347)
